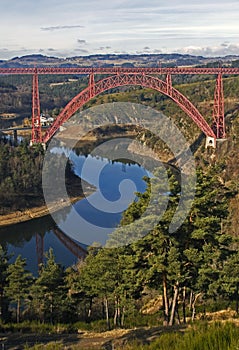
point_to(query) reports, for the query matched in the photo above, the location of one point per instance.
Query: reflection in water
(95, 217)
(76, 249)
(31, 239)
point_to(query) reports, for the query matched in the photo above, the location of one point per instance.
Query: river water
(21, 238)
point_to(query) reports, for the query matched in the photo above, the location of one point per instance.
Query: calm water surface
(21, 238)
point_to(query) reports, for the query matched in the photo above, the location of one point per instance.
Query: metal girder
(121, 70)
(92, 84)
(36, 120)
(218, 110)
(128, 76)
(147, 81)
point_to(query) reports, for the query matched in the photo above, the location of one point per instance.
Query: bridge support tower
(36, 118)
(123, 77)
(218, 111)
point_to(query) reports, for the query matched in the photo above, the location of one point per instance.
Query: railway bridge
(158, 78)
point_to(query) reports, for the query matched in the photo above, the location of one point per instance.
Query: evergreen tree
(191, 257)
(228, 283)
(79, 301)
(108, 273)
(4, 263)
(209, 245)
(19, 281)
(49, 290)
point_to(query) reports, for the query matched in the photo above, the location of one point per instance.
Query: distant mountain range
(125, 60)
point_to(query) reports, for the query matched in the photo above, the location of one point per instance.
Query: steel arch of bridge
(144, 80)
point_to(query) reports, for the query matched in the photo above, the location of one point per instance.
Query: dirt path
(112, 340)
(84, 340)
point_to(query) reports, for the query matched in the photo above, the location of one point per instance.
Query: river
(21, 238)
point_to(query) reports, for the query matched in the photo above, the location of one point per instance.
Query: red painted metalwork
(92, 85)
(129, 79)
(126, 78)
(169, 84)
(120, 70)
(36, 122)
(218, 111)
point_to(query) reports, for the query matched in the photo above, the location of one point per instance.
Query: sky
(64, 28)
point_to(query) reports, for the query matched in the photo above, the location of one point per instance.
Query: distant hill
(127, 60)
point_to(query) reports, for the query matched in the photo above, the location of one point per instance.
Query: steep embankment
(201, 94)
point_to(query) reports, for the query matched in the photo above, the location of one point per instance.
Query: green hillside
(56, 91)
(201, 94)
(192, 273)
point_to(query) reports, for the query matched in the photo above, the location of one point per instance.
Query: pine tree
(108, 274)
(228, 284)
(49, 291)
(78, 300)
(192, 257)
(4, 262)
(19, 281)
(208, 243)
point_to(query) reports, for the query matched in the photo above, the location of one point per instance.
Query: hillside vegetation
(201, 93)
(56, 91)
(194, 270)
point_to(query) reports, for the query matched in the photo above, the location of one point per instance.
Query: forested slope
(192, 268)
(56, 91)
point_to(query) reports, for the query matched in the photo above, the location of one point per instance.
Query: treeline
(191, 267)
(20, 173)
(55, 92)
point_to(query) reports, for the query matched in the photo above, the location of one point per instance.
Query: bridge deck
(119, 70)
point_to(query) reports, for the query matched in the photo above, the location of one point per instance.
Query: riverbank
(34, 207)
(74, 189)
(33, 213)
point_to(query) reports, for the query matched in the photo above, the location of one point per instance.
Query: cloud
(224, 49)
(147, 50)
(81, 41)
(60, 27)
(50, 49)
(82, 51)
(102, 48)
(225, 44)
(201, 27)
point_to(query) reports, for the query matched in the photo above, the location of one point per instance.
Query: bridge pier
(210, 142)
(32, 143)
(43, 145)
(36, 117)
(218, 109)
